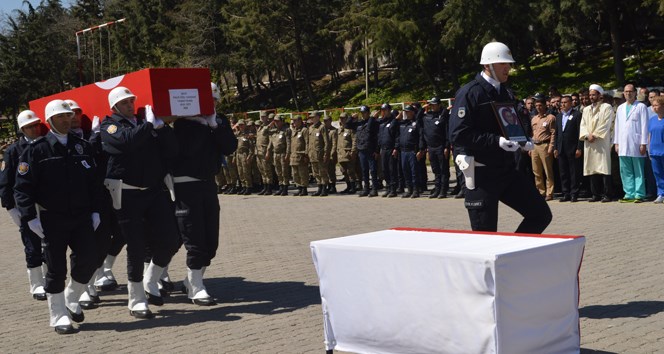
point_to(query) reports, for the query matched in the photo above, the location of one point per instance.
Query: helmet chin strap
(54, 129)
(493, 72)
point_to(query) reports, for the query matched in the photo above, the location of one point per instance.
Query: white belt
(129, 186)
(183, 179)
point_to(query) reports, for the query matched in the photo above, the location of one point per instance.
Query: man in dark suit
(568, 148)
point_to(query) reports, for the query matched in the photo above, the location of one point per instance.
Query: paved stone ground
(267, 286)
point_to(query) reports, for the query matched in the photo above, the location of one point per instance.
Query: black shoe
(352, 190)
(284, 191)
(565, 198)
(455, 190)
(68, 329)
(39, 296)
(365, 192)
(594, 199)
(401, 190)
(442, 195)
(386, 194)
(435, 193)
(333, 188)
(574, 199)
(262, 191)
(392, 194)
(407, 194)
(88, 305)
(416, 194)
(606, 200)
(373, 193)
(96, 299)
(141, 314)
(208, 301)
(76, 317)
(247, 191)
(108, 287)
(317, 192)
(299, 190)
(304, 192)
(154, 300)
(323, 191)
(241, 190)
(460, 195)
(167, 285)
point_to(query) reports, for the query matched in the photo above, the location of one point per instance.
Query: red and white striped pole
(78, 46)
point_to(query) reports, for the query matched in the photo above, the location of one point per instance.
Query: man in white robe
(595, 129)
(630, 138)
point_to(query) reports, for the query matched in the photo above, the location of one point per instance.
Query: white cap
(26, 117)
(118, 94)
(57, 107)
(73, 104)
(215, 91)
(597, 88)
(496, 52)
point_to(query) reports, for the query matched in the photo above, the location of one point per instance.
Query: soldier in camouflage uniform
(332, 134)
(318, 150)
(346, 153)
(263, 133)
(255, 173)
(298, 155)
(244, 155)
(279, 153)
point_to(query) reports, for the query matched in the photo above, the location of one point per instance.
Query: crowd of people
(602, 155)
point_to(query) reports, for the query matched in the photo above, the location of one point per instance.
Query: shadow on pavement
(234, 296)
(638, 309)
(591, 351)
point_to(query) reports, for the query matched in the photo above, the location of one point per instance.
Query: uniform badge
(112, 129)
(2, 165)
(154, 133)
(414, 123)
(462, 112)
(388, 125)
(23, 168)
(85, 164)
(437, 122)
(79, 149)
(410, 130)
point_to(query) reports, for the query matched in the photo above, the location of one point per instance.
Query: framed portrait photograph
(509, 122)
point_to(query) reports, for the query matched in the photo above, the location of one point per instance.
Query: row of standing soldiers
(370, 148)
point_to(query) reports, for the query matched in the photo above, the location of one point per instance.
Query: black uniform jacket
(138, 155)
(8, 172)
(61, 179)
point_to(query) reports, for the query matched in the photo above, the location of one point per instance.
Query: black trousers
(75, 232)
(600, 185)
(570, 174)
(422, 175)
(144, 210)
(197, 213)
(107, 227)
(368, 165)
(117, 239)
(390, 169)
(31, 246)
(410, 169)
(440, 165)
(507, 185)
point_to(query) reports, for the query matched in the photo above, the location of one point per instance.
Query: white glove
(96, 128)
(95, 221)
(529, 146)
(149, 116)
(508, 145)
(212, 120)
(16, 216)
(36, 227)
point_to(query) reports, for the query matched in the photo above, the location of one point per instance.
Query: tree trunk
(239, 85)
(299, 51)
(291, 83)
(616, 41)
(375, 73)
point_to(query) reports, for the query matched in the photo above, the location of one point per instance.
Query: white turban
(597, 88)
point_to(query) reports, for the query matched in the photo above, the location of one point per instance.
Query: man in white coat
(595, 131)
(630, 138)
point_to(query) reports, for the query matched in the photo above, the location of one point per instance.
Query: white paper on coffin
(423, 292)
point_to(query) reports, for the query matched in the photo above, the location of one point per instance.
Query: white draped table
(435, 291)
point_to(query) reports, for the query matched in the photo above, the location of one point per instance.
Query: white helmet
(73, 105)
(215, 91)
(118, 94)
(57, 107)
(26, 117)
(496, 52)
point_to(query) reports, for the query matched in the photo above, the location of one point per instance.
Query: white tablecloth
(414, 291)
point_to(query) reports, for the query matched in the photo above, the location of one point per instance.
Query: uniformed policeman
(139, 150)
(30, 125)
(318, 150)
(279, 153)
(333, 134)
(434, 140)
(201, 141)
(263, 133)
(347, 153)
(366, 133)
(76, 127)
(58, 195)
(298, 155)
(485, 156)
(387, 132)
(408, 143)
